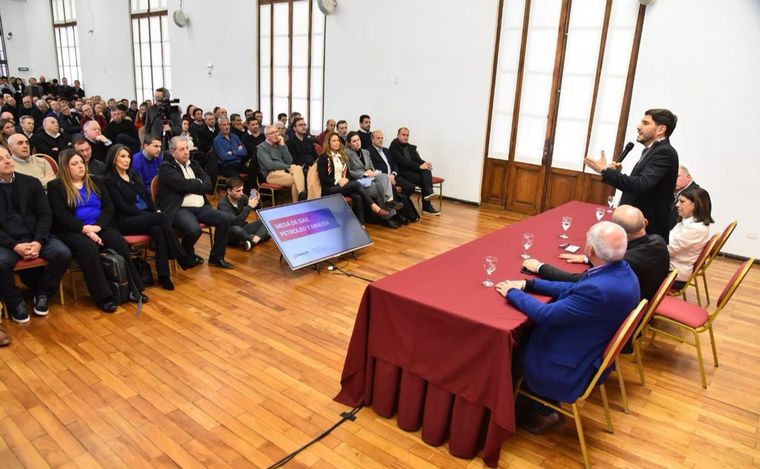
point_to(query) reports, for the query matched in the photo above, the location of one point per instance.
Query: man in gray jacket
(276, 164)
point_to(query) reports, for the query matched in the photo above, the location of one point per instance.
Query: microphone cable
(349, 274)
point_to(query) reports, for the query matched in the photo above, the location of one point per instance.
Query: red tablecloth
(434, 345)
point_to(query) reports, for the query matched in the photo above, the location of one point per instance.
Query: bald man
(647, 254)
(51, 140)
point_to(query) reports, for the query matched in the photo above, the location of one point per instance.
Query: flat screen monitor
(311, 231)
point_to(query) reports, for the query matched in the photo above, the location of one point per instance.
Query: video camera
(167, 107)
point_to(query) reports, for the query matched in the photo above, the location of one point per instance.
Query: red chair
(33, 264)
(698, 264)
(638, 336)
(695, 319)
(49, 159)
(609, 356)
(269, 190)
(713, 254)
(437, 184)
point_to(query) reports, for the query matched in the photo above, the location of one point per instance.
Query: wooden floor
(238, 368)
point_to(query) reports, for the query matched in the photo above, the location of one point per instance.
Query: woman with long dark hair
(137, 213)
(332, 166)
(83, 220)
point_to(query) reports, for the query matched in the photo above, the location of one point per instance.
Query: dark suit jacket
(33, 207)
(565, 348)
(124, 194)
(406, 164)
(648, 257)
(650, 186)
(44, 143)
(204, 138)
(172, 185)
(64, 217)
(379, 164)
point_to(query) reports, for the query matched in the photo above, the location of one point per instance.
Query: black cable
(343, 417)
(349, 274)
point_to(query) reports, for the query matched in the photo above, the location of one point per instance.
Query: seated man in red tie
(563, 352)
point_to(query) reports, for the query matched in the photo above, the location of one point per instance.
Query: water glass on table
(489, 263)
(527, 243)
(566, 222)
(610, 202)
(599, 213)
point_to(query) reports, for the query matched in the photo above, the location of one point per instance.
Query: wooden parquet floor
(238, 368)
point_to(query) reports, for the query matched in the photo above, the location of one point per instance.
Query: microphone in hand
(626, 150)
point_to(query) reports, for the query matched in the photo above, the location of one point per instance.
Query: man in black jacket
(182, 184)
(51, 140)
(647, 254)
(650, 185)
(205, 134)
(383, 161)
(414, 169)
(25, 220)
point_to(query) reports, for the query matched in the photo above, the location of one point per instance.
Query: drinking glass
(599, 214)
(610, 202)
(490, 265)
(566, 221)
(527, 243)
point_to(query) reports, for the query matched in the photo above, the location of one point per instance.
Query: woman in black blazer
(137, 213)
(83, 220)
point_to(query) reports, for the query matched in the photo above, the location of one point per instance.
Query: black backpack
(115, 268)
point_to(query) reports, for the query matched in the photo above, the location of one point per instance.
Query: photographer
(163, 119)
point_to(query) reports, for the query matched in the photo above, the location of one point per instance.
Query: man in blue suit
(565, 347)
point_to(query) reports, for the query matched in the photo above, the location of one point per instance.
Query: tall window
(66, 39)
(150, 44)
(3, 58)
(291, 60)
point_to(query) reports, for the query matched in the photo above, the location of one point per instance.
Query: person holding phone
(236, 203)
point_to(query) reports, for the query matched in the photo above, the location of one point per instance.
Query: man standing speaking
(650, 185)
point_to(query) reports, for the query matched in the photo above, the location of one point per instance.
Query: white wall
(226, 37)
(700, 59)
(105, 48)
(422, 64)
(32, 46)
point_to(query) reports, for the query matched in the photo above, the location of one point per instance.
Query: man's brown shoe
(539, 424)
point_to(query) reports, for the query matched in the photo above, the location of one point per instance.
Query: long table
(434, 346)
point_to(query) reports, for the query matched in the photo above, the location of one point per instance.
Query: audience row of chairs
(663, 313)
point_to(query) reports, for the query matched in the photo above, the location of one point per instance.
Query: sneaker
(19, 313)
(247, 245)
(431, 211)
(41, 305)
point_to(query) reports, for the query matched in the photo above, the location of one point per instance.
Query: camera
(167, 107)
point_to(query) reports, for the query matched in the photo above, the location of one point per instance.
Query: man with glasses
(277, 166)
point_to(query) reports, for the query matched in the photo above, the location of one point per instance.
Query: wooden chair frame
(728, 292)
(609, 357)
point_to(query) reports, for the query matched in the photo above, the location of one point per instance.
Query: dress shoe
(166, 282)
(430, 210)
(221, 263)
(19, 313)
(396, 205)
(136, 299)
(302, 196)
(41, 305)
(538, 423)
(190, 262)
(391, 223)
(108, 305)
(401, 219)
(5, 338)
(382, 213)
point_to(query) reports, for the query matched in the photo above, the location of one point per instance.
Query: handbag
(143, 269)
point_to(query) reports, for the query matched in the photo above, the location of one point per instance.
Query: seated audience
(182, 184)
(414, 169)
(237, 124)
(83, 149)
(329, 127)
(236, 203)
(98, 141)
(122, 130)
(383, 161)
(147, 162)
(186, 123)
(683, 182)
(29, 109)
(570, 333)
(205, 134)
(342, 129)
(69, 122)
(647, 254)
(332, 168)
(276, 164)
(51, 140)
(154, 120)
(25, 163)
(283, 118)
(7, 128)
(89, 115)
(364, 131)
(229, 151)
(301, 145)
(25, 220)
(83, 220)
(78, 90)
(27, 126)
(691, 233)
(137, 214)
(251, 139)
